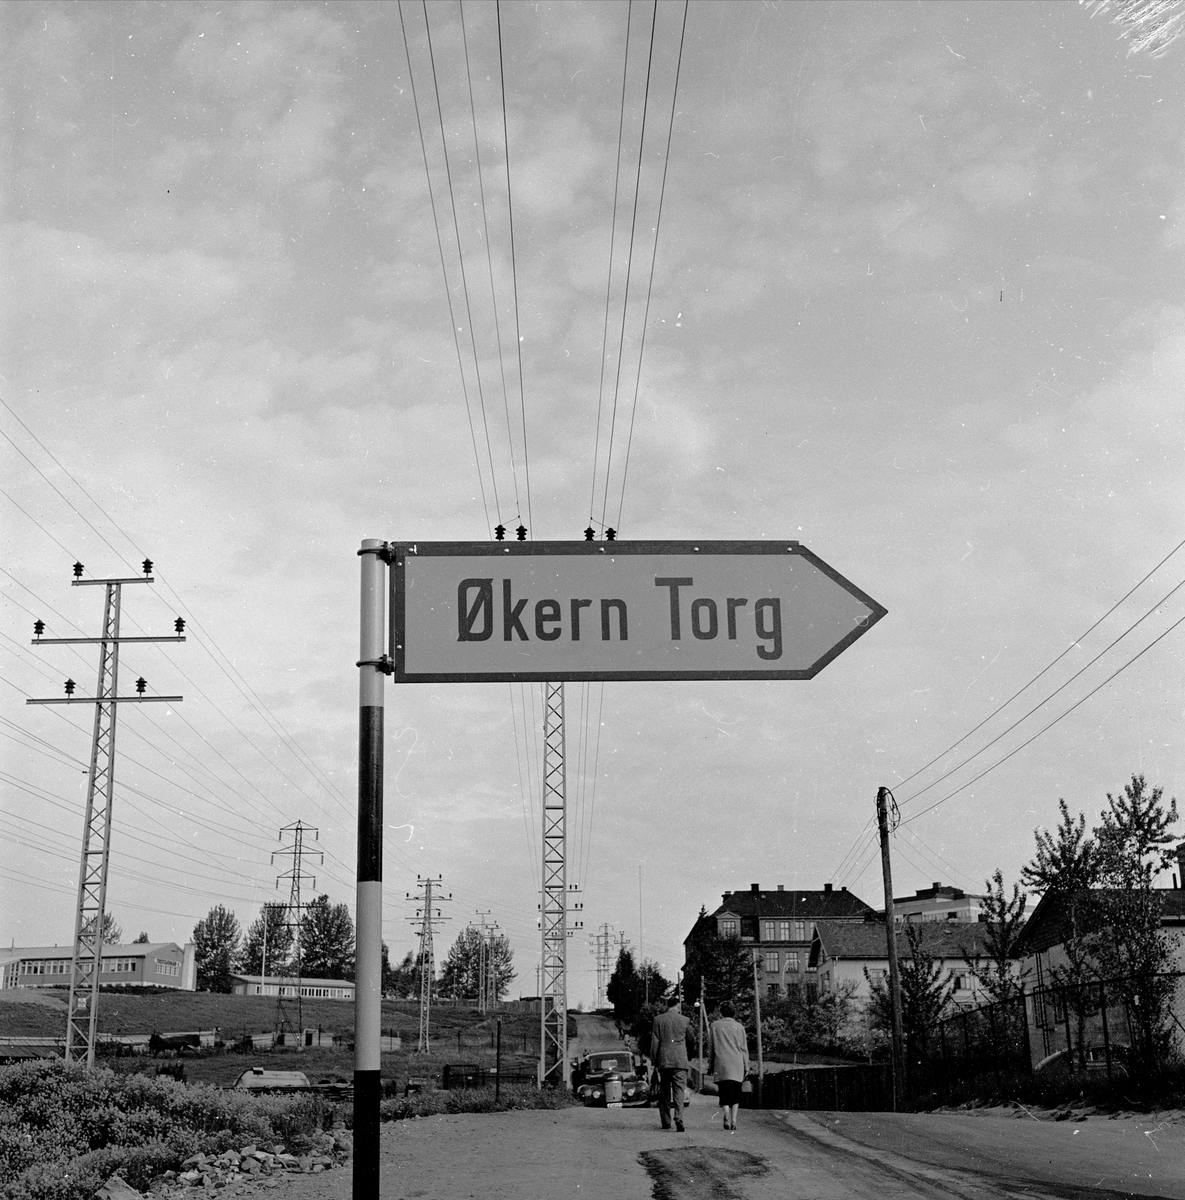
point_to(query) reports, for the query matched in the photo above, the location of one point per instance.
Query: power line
(1051, 724)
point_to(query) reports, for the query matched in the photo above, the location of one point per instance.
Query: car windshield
(622, 1063)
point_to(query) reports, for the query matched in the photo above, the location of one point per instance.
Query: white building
(138, 964)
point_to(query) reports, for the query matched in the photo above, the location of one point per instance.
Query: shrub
(64, 1130)
(473, 1100)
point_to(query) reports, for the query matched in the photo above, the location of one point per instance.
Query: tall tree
(401, 982)
(1135, 841)
(271, 934)
(1066, 860)
(1003, 918)
(327, 941)
(216, 949)
(724, 964)
(461, 974)
(112, 933)
(927, 989)
(141, 938)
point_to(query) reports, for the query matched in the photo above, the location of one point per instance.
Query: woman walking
(729, 1062)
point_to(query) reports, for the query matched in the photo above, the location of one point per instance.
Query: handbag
(747, 1087)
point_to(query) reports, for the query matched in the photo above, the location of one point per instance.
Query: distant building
(140, 964)
(938, 903)
(780, 926)
(287, 986)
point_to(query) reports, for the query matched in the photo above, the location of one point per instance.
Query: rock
(189, 1176)
(343, 1141)
(116, 1188)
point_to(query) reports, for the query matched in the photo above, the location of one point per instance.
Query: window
(799, 928)
(792, 961)
(962, 982)
(167, 966)
(773, 992)
(728, 927)
(768, 929)
(783, 931)
(772, 961)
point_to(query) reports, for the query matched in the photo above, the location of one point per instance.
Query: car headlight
(596, 1093)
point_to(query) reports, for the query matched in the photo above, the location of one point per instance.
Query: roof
(826, 904)
(1049, 924)
(110, 950)
(866, 939)
(304, 980)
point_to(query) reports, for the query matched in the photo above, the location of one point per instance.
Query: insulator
(610, 535)
(70, 686)
(78, 570)
(179, 624)
(589, 534)
(499, 533)
(522, 533)
(38, 628)
(141, 684)
(147, 565)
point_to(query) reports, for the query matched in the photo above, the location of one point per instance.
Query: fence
(860, 1087)
(1101, 1027)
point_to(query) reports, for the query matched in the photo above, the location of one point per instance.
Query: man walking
(670, 1042)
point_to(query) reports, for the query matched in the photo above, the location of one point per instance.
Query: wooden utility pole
(883, 797)
(757, 1015)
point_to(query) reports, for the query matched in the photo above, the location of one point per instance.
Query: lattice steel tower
(87, 960)
(427, 915)
(295, 912)
(553, 907)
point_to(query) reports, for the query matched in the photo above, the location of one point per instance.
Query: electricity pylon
(87, 961)
(604, 957)
(556, 898)
(427, 915)
(295, 911)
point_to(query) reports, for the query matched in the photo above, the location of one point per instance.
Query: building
(286, 986)
(780, 926)
(140, 964)
(1041, 956)
(857, 953)
(938, 902)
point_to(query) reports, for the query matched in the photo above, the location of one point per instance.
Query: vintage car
(591, 1070)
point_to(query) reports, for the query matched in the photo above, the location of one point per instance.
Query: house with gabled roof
(779, 925)
(857, 953)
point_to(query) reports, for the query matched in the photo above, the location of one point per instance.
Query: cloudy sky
(916, 300)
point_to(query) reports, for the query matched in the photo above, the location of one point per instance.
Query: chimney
(754, 887)
(781, 887)
(937, 884)
(826, 887)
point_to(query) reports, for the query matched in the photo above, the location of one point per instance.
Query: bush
(473, 1100)
(64, 1130)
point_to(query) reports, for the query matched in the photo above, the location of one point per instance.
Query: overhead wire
(461, 264)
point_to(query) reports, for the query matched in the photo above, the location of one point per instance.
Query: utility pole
(757, 1015)
(87, 960)
(428, 916)
(295, 910)
(604, 944)
(883, 798)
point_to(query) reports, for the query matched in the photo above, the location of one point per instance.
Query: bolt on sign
(486, 612)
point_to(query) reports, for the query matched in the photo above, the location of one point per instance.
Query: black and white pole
(369, 963)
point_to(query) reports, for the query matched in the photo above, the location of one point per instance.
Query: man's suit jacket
(670, 1039)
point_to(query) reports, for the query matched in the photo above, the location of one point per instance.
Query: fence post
(1106, 1032)
(1024, 1016)
(1066, 1014)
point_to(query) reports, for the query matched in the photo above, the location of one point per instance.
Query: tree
(1003, 918)
(216, 949)
(810, 1020)
(270, 934)
(1066, 861)
(461, 974)
(327, 941)
(141, 938)
(112, 933)
(403, 981)
(634, 993)
(1134, 841)
(927, 989)
(724, 964)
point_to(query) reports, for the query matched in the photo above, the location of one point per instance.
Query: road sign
(488, 612)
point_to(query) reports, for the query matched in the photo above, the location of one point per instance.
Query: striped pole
(369, 908)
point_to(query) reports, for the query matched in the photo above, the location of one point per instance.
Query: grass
(473, 1100)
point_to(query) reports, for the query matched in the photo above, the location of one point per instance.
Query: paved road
(622, 1155)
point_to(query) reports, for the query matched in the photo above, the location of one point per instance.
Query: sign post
(556, 612)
